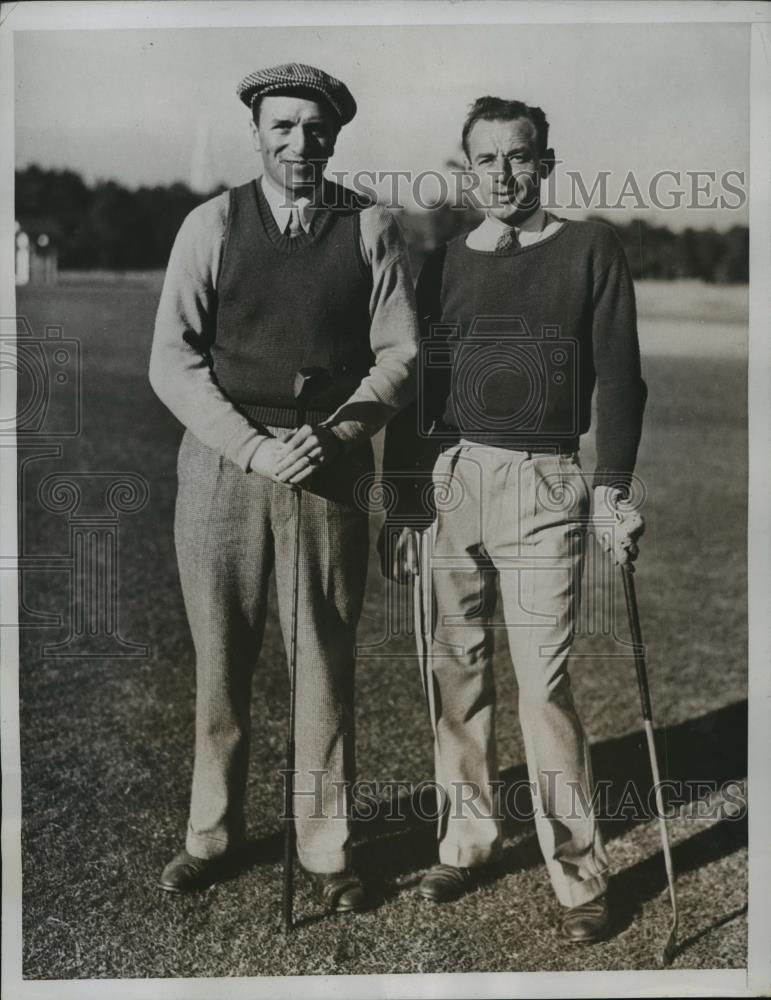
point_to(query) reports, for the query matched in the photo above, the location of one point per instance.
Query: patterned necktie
(295, 226)
(507, 240)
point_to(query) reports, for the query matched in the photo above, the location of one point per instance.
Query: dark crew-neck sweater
(514, 343)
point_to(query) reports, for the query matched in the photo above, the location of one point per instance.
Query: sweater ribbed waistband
(281, 416)
(530, 446)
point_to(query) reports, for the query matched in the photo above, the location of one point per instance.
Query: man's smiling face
(505, 158)
(296, 137)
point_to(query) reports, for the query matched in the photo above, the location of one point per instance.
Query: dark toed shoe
(341, 892)
(443, 883)
(186, 873)
(588, 922)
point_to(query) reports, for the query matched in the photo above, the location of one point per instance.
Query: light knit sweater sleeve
(184, 328)
(391, 382)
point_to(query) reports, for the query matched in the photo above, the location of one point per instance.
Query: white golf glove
(401, 562)
(617, 524)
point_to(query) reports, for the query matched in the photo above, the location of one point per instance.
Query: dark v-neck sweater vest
(285, 304)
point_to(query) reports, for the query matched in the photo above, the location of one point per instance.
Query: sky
(155, 106)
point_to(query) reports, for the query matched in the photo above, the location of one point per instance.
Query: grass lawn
(107, 743)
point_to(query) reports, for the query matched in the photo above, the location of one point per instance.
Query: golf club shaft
(649, 735)
(289, 837)
(630, 593)
(423, 619)
(419, 624)
(289, 819)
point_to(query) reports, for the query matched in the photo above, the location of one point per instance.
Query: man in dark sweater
(281, 273)
(522, 320)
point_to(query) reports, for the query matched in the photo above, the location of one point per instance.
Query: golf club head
(308, 382)
(670, 946)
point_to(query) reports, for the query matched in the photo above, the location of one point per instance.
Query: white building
(36, 259)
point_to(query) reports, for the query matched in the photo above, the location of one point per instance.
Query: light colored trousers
(521, 521)
(232, 529)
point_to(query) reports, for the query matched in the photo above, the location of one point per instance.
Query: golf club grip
(289, 836)
(627, 575)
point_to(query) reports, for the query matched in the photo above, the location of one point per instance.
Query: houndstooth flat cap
(276, 78)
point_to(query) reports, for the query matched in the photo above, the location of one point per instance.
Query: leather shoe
(186, 873)
(588, 922)
(340, 892)
(443, 883)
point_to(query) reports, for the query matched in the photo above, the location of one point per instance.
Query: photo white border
(759, 514)
(27, 16)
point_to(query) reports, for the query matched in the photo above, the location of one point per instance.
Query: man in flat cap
(286, 272)
(523, 318)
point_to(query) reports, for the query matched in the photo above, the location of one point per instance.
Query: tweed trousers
(232, 529)
(517, 521)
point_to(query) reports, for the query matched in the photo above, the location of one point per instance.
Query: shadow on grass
(647, 879)
(258, 852)
(254, 853)
(699, 755)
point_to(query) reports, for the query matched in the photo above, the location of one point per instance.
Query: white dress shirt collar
(281, 205)
(534, 228)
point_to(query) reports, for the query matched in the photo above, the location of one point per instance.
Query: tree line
(106, 226)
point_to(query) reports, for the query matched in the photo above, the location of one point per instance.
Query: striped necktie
(507, 240)
(295, 226)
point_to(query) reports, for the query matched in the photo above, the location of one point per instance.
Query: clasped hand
(295, 455)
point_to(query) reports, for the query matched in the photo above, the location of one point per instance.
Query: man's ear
(255, 135)
(335, 133)
(547, 163)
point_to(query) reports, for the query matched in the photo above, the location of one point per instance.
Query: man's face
(296, 137)
(504, 157)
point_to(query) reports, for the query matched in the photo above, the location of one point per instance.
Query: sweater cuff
(246, 451)
(613, 479)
